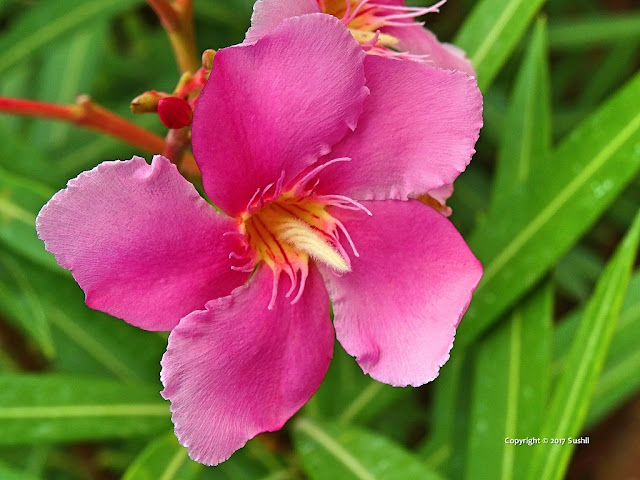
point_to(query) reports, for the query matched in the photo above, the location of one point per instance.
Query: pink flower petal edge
(264, 115)
(238, 369)
(398, 309)
(141, 242)
(409, 139)
(268, 14)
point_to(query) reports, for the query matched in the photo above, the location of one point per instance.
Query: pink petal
(239, 369)
(397, 310)
(141, 242)
(443, 193)
(276, 106)
(418, 40)
(417, 132)
(268, 14)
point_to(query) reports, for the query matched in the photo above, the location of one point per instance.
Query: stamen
(348, 237)
(304, 272)
(247, 267)
(347, 13)
(274, 291)
(249, 205)
(279, 183)
(340, 200)
(371, 43)
(355, 13)
(264, 192)
(294, 281)
(312, 173)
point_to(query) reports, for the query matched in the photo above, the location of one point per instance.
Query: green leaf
(510, 388)
(254, 461)
(22, 159)
(15, 83)
(163, 459)
(512, 366)
(619, 63)
(88, 341)
(573, 393)
(348, 394)
(526, 133)
(518, 245)
(69, 68)
(20, 201)
(25, 307)
(491, 33)
(9, 473)
(582, 32)
(49, 21)
(577, 272)
(619, 379)
(445, 449)
(61, 408)
(330, 451)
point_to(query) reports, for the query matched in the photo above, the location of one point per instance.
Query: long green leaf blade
(511, 383)
(20, 201)
(491, 33)
(572, 395)
(619, 378)
(9, 473)
(62, 408)
(92, 342)
(50, 21)
(512, 366)
(518, 246)
(526, 134)
(581, 32)
(449, 416)
(330, 451)
(27, 307)
(68, 69)
(163, 459)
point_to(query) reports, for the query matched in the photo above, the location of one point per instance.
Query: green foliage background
(550, 344)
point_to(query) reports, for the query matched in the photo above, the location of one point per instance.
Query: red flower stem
(177, 19)
(87, 114)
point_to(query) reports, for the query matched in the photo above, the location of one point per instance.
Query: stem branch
(88, 115)
(177, 19)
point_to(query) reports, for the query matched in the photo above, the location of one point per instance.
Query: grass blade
(330, 451)
(573, 393)
(583, 32)
(56, 408)
(520, 244)
(619, 378)
(50, 21)
(511, 384)
(163, 459)
(491, 33)
(526, 134)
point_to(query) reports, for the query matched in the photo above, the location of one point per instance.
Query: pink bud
(174, 112)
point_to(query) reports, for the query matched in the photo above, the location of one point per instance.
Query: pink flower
(311, 148)
(382, 27)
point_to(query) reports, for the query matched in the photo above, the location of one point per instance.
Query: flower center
(364, 18)
(287, 229)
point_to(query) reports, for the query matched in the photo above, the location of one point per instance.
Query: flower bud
(207, 58)
(145, 103)
(174, 112)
